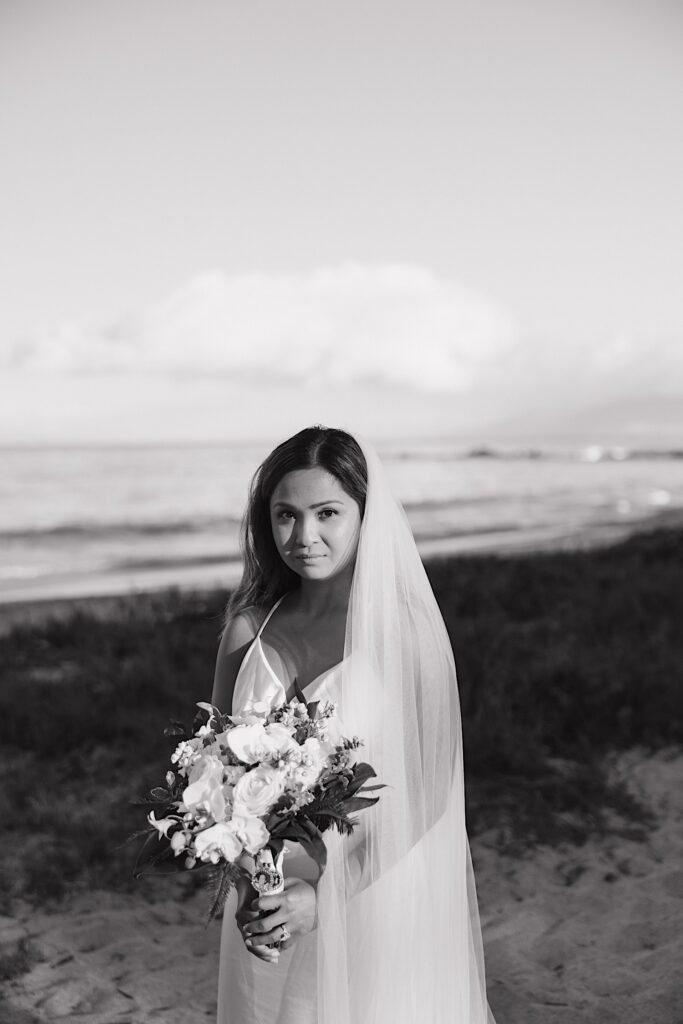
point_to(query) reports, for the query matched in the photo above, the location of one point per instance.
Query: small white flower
(315, 756)
(162, 825)
(327, 709)
(178, 842)
(185, 754)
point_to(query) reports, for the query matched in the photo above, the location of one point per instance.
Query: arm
(235, 641)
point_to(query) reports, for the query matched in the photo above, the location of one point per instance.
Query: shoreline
(101, 593)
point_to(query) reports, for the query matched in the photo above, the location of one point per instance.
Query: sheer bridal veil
(398, 928)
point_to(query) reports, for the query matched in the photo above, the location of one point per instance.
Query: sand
(590, 934)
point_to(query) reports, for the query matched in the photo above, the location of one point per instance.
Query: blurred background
(454, 228)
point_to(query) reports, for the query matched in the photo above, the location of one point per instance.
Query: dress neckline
(269, 668)
(276, 678)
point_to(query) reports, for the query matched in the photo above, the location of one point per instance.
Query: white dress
(249, 990)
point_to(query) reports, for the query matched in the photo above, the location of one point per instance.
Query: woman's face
(316, 524)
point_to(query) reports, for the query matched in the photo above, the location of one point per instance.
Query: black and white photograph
(341, 512)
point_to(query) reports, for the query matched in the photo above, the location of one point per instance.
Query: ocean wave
(102, 530)
(584, 453)
(138, 564)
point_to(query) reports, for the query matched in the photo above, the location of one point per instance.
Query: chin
(317, 571)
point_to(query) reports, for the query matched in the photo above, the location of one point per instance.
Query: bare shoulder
(240, 629)
(237, 636)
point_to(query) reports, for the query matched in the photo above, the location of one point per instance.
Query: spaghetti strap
(265, 621)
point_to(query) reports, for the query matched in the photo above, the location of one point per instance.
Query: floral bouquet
(247, 784)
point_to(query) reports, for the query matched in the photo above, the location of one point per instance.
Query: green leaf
(224, 879)
(314, 844)
(153, 852)
(298, 692)
(289, 828)
(357, 803)
(361, 774)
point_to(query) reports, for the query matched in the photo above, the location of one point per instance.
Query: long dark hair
(266, 577)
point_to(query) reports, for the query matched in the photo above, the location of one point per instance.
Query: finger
(264, 924)
(269, 956)
(249, 915)
(261, 950)
(266, 938)
(268, 903)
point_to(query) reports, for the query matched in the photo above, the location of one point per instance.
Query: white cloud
(384, 349)
(396, 325)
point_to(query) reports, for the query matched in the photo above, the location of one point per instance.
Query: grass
(562, 659)
(18, 962)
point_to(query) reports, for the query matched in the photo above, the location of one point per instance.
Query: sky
(228, 219)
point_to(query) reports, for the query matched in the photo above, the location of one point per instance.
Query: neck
(324, 597)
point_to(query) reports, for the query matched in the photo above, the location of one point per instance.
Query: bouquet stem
(268, 878)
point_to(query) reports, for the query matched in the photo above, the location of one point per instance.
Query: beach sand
(590, 934)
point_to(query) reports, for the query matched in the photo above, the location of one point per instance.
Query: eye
(326, 513)
(284, 514)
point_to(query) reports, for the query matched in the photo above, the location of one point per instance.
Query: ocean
(105, 520)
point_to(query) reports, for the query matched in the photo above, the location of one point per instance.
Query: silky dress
(398, 937)
(251, 991)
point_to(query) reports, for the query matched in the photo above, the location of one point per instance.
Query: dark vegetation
(563, 659)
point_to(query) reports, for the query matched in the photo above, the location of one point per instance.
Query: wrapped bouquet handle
(268, 878)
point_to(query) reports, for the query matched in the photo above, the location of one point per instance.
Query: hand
(246, 912)
(295, 908)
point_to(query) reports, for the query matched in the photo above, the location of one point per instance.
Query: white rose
(216, 842)
(257, 791)
(251, 832)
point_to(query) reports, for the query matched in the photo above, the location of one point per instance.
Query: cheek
(281, 533)
(348, 537)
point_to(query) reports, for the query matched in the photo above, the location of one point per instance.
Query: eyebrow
(318, 504)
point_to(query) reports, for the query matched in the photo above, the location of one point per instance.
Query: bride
(334, 596)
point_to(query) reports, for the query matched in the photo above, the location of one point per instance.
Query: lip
(309, 558)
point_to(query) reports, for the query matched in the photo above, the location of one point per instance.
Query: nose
(305, 531)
